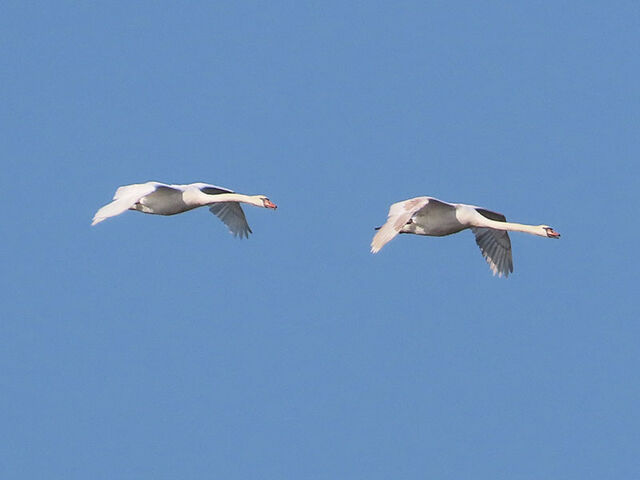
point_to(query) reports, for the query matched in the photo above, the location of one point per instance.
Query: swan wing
(232, 216)
(207, 188)
(498, 217)
(495, 246)
(399, 215)
(125, 198)
(140, 189)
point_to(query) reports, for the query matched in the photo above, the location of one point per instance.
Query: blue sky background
(161, 347)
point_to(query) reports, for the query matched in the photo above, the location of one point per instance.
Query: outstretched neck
(196, 197)
(234, 197)
(515, 227)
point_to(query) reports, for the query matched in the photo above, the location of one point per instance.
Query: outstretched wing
(125, 198)
(495, 245)
(230, 213)
(203, 187)
(211, 189)
(399, 215)
(232, 216)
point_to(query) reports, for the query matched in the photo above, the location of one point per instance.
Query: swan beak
(551, 233)
(270, 204)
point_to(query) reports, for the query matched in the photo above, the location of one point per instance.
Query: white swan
(162, 199)
(433, 217)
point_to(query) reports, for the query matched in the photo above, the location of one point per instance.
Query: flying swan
(162, 199)
(435, 218)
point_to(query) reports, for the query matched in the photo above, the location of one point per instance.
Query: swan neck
(517, 227)
(234, 197)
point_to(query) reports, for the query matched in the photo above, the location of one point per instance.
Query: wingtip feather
(382, 237)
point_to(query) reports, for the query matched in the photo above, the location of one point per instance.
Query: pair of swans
(420, 216)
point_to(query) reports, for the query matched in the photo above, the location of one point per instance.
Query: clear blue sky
(161, 347)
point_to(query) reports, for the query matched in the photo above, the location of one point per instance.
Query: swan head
(550, 232)
(266, 203)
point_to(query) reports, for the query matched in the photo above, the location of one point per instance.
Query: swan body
(162, 199)
(432, 217)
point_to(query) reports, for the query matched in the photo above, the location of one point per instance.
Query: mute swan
(433, 217)
(161, 199)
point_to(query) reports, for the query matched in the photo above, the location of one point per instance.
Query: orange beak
(553, 234)
(270, 204)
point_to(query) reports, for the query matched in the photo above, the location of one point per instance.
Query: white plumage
(433, 217)
(162, 199)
